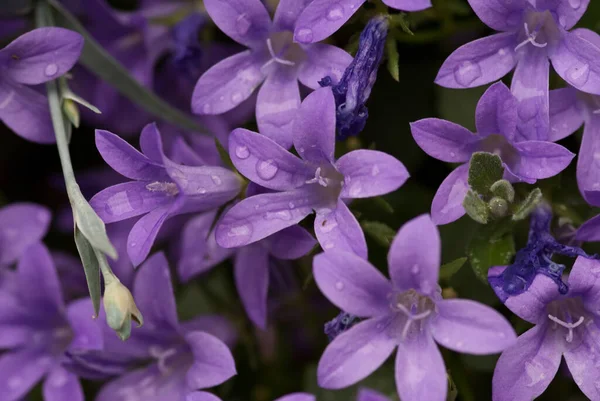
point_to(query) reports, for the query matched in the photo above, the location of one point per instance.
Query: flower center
(169, 188)
(539, 28)
(413, 310)
(327, 182)
(499, 145)
(568, 314)
(170, 359)
(283, 50)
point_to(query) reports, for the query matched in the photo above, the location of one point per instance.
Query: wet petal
(590, 230)
(320, 19)
(144, 232)
(539, 159)
(245, 21)
(259, 216)
(577, 60)
(87, 331)
(582, 361)
(565, 116)
(408, 5)
(201, 396)
(276, 106)
(251, 271)
(444, 140)
(21, 225)
(530, 87)
(291, 243)
(470, 327)
(323, 60)
(41, 55)
(500, 15)
(420, 370)
(497, 112)
(228, 83)
(447, 205)
(526, 369)
(213, 362)
(568, 12)
(414, 256)
(588, 159)
(61, 385)
(20, 370)
(584, 281)
(338, 229)
(314, 127)
(352, 283)
(215, 325)
(38, 281)
(479, 62)
(366, 394)
(266, 163)
(356, 353)
(129, 199)
(370, 173)
(297, 397)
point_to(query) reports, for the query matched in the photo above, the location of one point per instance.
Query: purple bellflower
(184, 357)
(272, 57)
(531, 33)
(313, 181)
(159, 188)
(252, 263)
(38, 331)
(34, 58)
(364, 394)
(535, 259)
(565, 325)
(407, 313)
(353, 90)
(321, 18)
(496, 120)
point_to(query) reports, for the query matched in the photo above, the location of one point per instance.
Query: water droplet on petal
(242, 24)
(266, 169)
(328, 245)
(59, 379)
(335, 13)
(51, 70)
(279, 215)
(242, 152)
(240, 234)
(467, 72)
(133, 244)
(236, 97)
(15, 382)
(206, 108)
(216, 179)
(375, 170)
(291, 205)
(304, 35)
(355, 190)
(415, 269)
(578, 74)
(339, 286)
(135, 199)
(575, 4)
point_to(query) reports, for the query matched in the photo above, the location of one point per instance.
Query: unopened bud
(120, 309)
(498, 207)
(71, 111)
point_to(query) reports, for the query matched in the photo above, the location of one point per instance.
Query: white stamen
(161, 357)
(274, 57)
(531, 36)
(318, 178)
(411, 318)
(566, 325)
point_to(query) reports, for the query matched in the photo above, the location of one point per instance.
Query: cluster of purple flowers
(178, 191)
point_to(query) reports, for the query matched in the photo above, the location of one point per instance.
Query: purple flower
(564, 325)
(34, 58)
(313, 181)
(408, 313)
(364, 394)
(38, 330)
(252, 263)
(321, 18)
(496, 120)
(354, 89)
(531, 33)
(339, 324)
(184, 357)
(535, 258)
(159, 188)
(272, 57)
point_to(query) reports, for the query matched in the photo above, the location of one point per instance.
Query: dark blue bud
(339, 324)
(187, 51)
(354, 89)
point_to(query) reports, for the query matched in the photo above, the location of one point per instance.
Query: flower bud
(498, 206)
(120, 309)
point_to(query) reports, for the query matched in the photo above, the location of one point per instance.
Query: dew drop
(51, 70)
(242, 24)
(236, 97)
(355, 190)
(266, 169)
(459, 344)
(467, 72)
(452, 154)
(304, 35)
(135, 199)
(59, 379)
(291, 205)
(339, 286)
(216, 179)
(206, 108)
(575, 4)
(335, 13)
(375, 170)
(242, 152)
(14, 382)
(240, 234)
(279, 215)
(328, 245)
(415, 269)
(133, 244)
(579, 74)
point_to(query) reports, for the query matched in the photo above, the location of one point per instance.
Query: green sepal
(524, 208)
(476, 207)
(504, 190)
(451, 268)
(380, 232)
(484, 170)
(498, 206)
(393, 58)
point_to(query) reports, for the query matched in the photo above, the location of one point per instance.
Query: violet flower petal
(582, 365)
(352, 283)
(496, 112)
(297, 397)
(590, 230)
(500, 15)
(38, 279)
(201, 396)
(21, 224)
(323, 60)
(479, 62)
(408, 5)
(420, 370)
(87, 332)
(415, 255)
(444, 140)
(314, 127)
(215, 325)
(447, 205)
(471, 327)
(321, 18)
(565, 116)
(356, 353)
(291, 243)
(245, 21)
(540, 159)
(62, 385)
(584, 281)
(577, 60)
(568, 13)
(213, 362)
(41, 55)
(588, 172)
(20, 370)
(370, 173)
(366, 394)
(338, 229)
(144, 232)
(251, 272)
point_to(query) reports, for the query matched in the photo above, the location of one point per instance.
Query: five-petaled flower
(407, 313)
(313, 181)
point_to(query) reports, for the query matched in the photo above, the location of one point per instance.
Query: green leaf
(399, 20)
(484, 170)
(380, 232)
(525, 207)
(476, 207)
(491, 245)
(107, 68)
(450, 269)
(504, 190)
(382, 204)
(452, 390)
(91, 268)
(393, 58)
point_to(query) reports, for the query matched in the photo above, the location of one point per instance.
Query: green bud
(71, 111)
(498, 206)
(504, 190)
(120, 309)
(476, 207)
